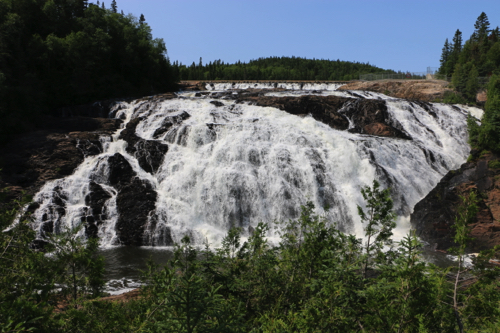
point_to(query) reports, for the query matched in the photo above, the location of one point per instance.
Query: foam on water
(243, 164)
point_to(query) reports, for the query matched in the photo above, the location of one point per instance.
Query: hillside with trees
(56, 53)
(276, 68)
(470, 64)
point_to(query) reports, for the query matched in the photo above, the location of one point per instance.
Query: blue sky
(405, 35)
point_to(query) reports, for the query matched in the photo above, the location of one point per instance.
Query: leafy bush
(494, 164)
(317, 279)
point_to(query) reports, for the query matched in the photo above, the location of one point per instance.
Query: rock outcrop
(149, 153)
(32, 159)
(365, 116)
(136, 199)
(424, 90)
(434, 216)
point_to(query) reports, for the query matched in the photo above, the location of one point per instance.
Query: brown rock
(425, 90)
(368, 116)
(434, 216)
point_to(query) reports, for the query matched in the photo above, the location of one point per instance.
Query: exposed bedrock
(434, 216)
(149, 153)
(368, 116)
(34, 158)
(135, 200)
(96, 200)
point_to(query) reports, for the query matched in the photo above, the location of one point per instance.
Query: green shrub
(495, 164)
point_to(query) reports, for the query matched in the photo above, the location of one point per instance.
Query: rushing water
(236, 163)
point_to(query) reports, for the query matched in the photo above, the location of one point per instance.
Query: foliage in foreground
(317, 279)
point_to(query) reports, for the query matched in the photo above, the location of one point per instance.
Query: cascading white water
(242, 164)
(273, 85)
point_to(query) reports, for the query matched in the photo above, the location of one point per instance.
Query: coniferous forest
(470, 64)
(56, 53)
(317, 279)
(276, 68)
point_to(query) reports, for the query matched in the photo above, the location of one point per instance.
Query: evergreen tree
(58, 53)
(481, 28)
(114, 8)
(455, 52)
(472, 85)
(444, 57)
(142, 19)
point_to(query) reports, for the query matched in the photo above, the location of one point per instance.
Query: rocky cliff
(434, 216)
(51, 152)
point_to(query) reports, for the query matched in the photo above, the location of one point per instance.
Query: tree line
(276, 68)
(56, 53)
(479, 56)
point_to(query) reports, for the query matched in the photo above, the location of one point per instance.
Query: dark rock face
(217, 103)
(135, 202)
(120, 171)
(95, 200)
(149, 153)
(371, 117)
(324, 109)
(434, 216)
(29, 161)
(367, 115)
(162, 233)
(169, 122)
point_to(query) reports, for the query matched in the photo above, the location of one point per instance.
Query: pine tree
(103, 7)
(142, 19)
(472, 85)
(481, 27)
(455, 51)
(444, 56)
(113, 6)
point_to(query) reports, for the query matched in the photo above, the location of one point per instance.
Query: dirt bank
(425, 90)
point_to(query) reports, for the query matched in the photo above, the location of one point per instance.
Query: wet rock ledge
(368, 116)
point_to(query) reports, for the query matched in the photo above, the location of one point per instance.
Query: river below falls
(124, 264)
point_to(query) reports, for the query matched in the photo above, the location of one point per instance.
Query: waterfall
(273, 85)
(197, 165)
